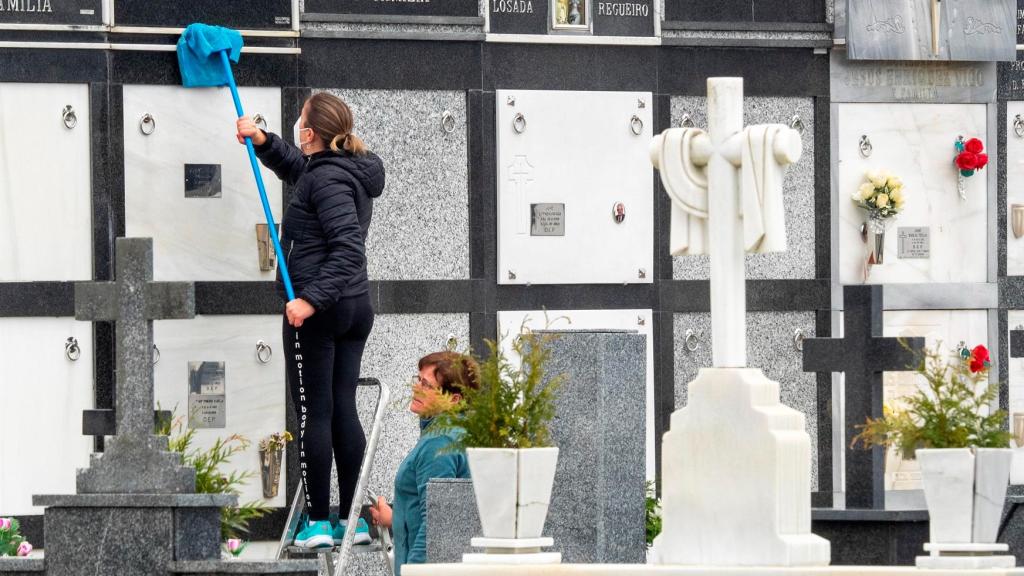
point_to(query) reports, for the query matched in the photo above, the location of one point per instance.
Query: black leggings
(323, 367)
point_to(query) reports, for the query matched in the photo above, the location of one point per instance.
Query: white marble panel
(45, 183)
(423, 214)
(942, 329)
(211, 239)
(255, 392)
(914, 142)
(587, 152)
(510, 322)
(1014, 188)
(798, 259)
(43, 395)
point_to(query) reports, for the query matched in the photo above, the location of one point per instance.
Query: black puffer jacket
(326, 220)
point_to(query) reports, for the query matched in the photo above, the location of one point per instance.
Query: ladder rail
(383, 400)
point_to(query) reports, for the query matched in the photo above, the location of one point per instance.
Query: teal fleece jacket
(409, 519)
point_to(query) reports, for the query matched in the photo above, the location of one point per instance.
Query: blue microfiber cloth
(198, 57)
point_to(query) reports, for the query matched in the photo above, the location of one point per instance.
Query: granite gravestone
(518, 16)
(240, 14)
(738, 11)
(863, 355)
(442, 8)
(623, 17)
(52, 12)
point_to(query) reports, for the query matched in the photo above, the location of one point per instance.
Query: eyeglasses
(418, 380)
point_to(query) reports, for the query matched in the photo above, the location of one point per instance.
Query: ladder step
(300, 552)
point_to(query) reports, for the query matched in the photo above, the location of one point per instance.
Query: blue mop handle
(259, 181)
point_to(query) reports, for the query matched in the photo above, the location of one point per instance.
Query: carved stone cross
(135, 460)
(863, 355)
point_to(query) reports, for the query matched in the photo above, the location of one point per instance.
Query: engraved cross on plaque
(863, 355)
(521, 170)
(135, 461)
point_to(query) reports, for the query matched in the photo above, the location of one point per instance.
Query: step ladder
(333, 560)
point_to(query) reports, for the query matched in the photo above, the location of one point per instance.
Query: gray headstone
(863, 355)
(452, 519)
(135, 460)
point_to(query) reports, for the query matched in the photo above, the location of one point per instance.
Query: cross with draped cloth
(726, 189)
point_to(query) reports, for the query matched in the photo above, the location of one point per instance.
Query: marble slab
(420, 226)
(45, 198)
(583, 154)
(510, 322)
(213, 238)
(1014, 187)
(798, 259)
(44, 394)
(914, 142)
(642, 570)
(940, 328)
(254, 392)
(770, 347)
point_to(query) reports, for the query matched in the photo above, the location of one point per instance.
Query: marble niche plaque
(179, 151)
(942, 329)
(52, 12)
(589, 152)
(916, 143)
(47, 367)
(974, 30)
(46, 219)
(511, 322)
(213, 372)
(1014, 185)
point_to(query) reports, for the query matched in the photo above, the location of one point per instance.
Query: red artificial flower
(966, 161)
(979, 358)
(980, 160)
(974, 146)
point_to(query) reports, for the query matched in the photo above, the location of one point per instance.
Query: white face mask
(297, 133)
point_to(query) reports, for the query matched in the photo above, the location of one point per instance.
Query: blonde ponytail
(354, 144)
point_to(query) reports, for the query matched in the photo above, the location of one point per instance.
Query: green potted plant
(961, 444)
(652, 518)
(507, 439)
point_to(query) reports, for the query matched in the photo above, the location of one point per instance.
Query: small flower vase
(874, 235)
(270, 471)
(1017, 219)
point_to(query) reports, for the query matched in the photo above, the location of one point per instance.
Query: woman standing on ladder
(334, 179)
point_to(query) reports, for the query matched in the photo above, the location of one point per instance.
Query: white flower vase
(965, 491)
(513, 489)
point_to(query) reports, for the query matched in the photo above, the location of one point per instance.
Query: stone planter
(270, 472)
(965, 490)
(513, 489)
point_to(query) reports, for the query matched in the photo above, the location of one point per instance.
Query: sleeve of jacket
(335, 207)
(284, 159)
(429, 464)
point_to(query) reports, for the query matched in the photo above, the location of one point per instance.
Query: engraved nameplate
(914, 242)
(547, 219)
(207, 395)
(202, 181)
(51, 12)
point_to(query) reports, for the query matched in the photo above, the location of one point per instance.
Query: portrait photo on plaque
(570, 15)
(207, 395)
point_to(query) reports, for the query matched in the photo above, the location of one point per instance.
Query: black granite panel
(1011, 81)
(662, 114)
(569, 67)
(873, 542)
(623, 17)
(1011, 292)
(37, 299)
(243, 14)
(519, 16)
(762, 295)
(826, 413)
(1001, 220)
(237, 298)
(71, 536)
(446, 8)
(52, 12)
(58, 66)
(574, 297)
(822, 189)
(766, 72)
(746, 10)
(384, 64)
(664, 382)
(135, 67)
(427, 296)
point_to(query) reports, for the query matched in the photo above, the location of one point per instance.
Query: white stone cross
(726, 189)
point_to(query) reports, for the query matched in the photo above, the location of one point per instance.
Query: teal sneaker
(362, 535)
(316, 534)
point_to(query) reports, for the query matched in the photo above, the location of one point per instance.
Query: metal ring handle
(264, 352)
(147, 120)
(69, 117)
(692, 340)
(519, 123)
(796, 123)
(451, 342)
(72, 350)
(1018, 126)
(865, 146)
(259, 119)
(686, 121)
(636, 125)
(448, 122)
(156, 355)
(798, 340)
